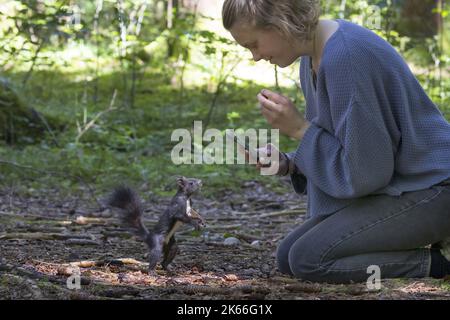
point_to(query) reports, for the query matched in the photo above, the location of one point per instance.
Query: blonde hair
(295, 19)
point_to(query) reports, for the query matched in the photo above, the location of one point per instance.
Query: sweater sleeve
(356, 158)
(298, 180)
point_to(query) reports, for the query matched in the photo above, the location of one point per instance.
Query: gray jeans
(386, 231)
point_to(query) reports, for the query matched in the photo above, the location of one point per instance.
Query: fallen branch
(117, 234)
(39, 236)
(258, 214)
(283, 279)
(30, 229)
(244, 288)
(37, 275)
(88, 220)
(99, 263)
(92, 263)
(34, 236)
(282, 213)
(84, 242)
(304, 287)
(230, 226)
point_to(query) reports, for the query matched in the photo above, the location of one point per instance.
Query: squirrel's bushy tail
(128, 200)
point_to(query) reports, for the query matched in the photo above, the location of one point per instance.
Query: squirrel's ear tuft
(181, 181)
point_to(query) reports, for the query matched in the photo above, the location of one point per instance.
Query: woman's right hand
(281, 113)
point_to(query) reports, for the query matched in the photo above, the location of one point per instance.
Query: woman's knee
(283, 257)
(304, 262)
(286, 244)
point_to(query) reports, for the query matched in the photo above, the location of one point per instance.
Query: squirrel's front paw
(198, 224)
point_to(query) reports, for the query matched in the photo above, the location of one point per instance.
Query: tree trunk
(172, 16)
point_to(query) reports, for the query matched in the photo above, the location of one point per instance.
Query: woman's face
(267, 44)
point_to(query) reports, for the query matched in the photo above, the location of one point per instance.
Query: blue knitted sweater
(373, 128)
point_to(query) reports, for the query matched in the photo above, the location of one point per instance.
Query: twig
(195, 289)
(222, 81)
(98, 9)
(39, 236)
(40, 47)
(245, 288)
(47, 126)
(83, 242)
(107, 262)
(37, 275)
(82, 131)
(230, 226)
(82, 220)
(304, 287)
(268, 214)
(33, 236)
(283, 279)
(282, 213)
(95, 263)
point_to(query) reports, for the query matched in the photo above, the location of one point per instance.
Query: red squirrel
(160, 239)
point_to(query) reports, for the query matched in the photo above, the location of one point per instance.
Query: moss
(445, 285)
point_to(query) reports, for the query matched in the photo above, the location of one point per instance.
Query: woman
(374, 151)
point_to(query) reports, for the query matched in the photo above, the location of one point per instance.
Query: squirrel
(160, 239)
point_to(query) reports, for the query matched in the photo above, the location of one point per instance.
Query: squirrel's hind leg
(154, 256)
(155, 244)
(170, 251)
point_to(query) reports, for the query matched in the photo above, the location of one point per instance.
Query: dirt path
(46, 240)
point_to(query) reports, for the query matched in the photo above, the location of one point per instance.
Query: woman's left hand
(281, 161)
(281, 113)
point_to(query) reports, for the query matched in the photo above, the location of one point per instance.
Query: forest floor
(46, 240)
